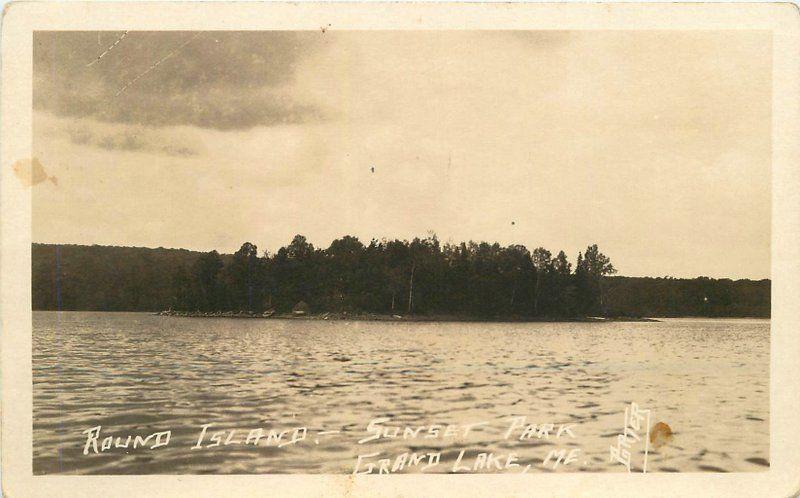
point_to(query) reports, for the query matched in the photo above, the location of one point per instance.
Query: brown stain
(660, 435)
(31, 172)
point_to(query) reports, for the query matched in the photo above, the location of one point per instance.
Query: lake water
(136, 374)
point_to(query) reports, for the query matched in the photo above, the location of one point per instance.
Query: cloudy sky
(654, 145)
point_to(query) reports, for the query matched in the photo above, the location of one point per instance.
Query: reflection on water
(136, 374)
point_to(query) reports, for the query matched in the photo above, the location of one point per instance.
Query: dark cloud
(183, 142)
(130, 140)
(222, 80)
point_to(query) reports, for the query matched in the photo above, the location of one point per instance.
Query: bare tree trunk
(393, 292)
(602, 301)
(411, 288)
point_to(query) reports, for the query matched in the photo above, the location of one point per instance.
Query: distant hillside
(105, 278)
(109, 278)
(673, 297)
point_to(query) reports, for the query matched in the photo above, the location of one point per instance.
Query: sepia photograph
(392, 252)
(343, 251)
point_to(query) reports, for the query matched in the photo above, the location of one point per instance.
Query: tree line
(421, 277)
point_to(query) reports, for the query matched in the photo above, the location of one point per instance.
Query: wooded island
(421, 277)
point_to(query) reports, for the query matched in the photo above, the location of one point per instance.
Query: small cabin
(301, 308)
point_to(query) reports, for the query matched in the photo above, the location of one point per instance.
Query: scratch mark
(124, 34)
(134, 80)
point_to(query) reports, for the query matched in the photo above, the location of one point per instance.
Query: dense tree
(562, 266)
(590, 271)
(206, 289)
(543, 263)
(244, 279)
(423, 276)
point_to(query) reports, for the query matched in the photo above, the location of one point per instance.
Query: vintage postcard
(400, 249)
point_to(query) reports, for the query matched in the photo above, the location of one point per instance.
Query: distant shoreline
(423, 318)
(350, 275)
(376, 317)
